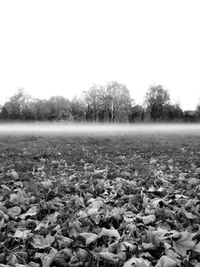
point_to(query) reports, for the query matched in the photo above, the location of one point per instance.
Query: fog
(63, 128)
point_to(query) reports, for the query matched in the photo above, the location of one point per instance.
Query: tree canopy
(109, 103)
(156, 99)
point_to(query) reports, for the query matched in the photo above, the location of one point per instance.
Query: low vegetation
(100, 201)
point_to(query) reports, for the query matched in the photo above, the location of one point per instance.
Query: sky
(62, 47)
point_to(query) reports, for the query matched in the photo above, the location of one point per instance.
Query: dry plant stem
(10, 251)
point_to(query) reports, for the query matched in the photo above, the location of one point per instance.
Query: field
(125, 199)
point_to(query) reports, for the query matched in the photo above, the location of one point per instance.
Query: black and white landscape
(99, 133)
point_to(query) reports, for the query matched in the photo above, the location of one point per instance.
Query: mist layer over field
(62, 128)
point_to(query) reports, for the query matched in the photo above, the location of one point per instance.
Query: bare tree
(119, 101)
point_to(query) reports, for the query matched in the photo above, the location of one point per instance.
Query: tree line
(110, 103)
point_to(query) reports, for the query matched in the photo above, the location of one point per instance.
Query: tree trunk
(112, 112)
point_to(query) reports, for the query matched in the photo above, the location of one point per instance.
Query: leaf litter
(101, 206)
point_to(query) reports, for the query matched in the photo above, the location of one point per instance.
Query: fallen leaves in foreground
(105, 215)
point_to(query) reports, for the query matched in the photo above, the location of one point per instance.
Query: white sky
(62, 47)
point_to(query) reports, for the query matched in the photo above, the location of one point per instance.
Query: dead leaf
(3, 215)
(137, 262)
(47, 184)
(89, 237)
(31, 212)
(131, 247)
(79, 202)
(19, 197)
(108, 256)
(129, 216)
(184, 243)
(42, 242)
(47, 259)
(110, 232)
(64, 242)
(11, 259)
(166, 261)
(82, 254)
(14, 212)
(22, 234)
(14, 174)
(149, 219)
